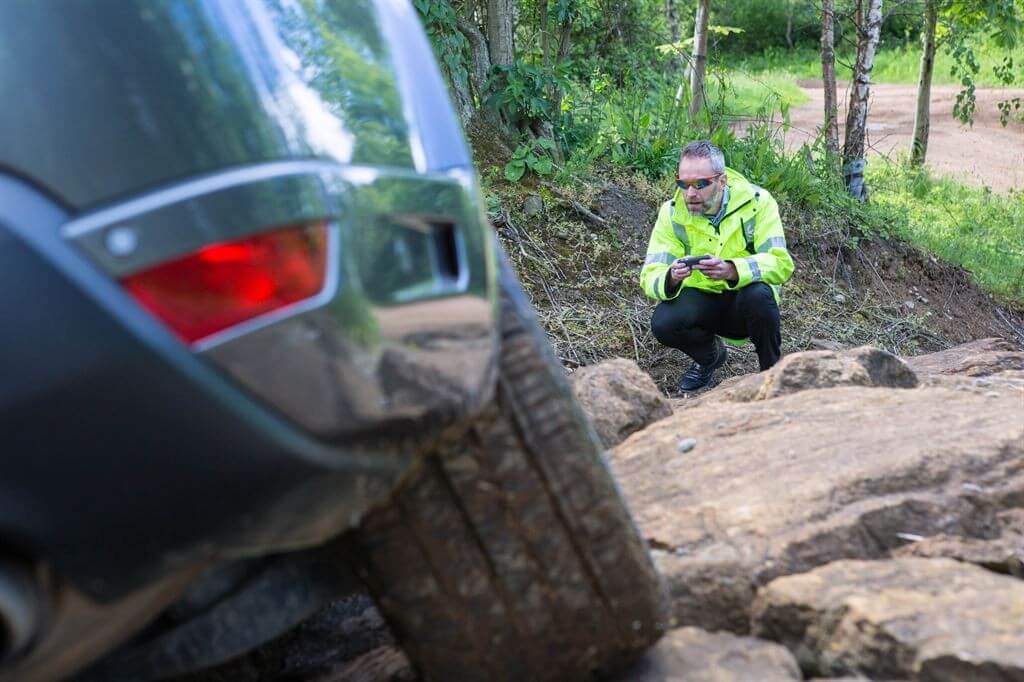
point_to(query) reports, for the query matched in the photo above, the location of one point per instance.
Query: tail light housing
(227, 283)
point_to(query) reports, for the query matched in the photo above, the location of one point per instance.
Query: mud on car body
(260, 350)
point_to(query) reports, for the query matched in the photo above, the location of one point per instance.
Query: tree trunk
(480, 61)
(545, 35)
(922, 120)
(700, 56)
(789, 24)
(828, 76)
(860, 89)
(479, 65)
(463, 98)
(672, 19)
(499, 32)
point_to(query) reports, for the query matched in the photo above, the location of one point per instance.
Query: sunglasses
(701, 183)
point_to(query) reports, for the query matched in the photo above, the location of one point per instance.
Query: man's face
(705, 201)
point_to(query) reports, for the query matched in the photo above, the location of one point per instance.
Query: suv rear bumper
(128, 455)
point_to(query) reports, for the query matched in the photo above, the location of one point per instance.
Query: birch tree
(828, 76)
(869, 27)
(922, 118)
(700, 56)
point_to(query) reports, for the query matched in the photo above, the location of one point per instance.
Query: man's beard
(705, 207)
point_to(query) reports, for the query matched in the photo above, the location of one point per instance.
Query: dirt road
(985, 154)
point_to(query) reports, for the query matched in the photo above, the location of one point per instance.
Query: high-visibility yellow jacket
(750, 235)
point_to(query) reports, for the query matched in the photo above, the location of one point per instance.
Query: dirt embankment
(986, 153)
(844, 291)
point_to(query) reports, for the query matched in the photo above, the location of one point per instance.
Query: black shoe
(699, 376)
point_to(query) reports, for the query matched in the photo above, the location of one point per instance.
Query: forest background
(577, 109)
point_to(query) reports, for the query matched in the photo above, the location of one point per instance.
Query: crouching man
(733, 292)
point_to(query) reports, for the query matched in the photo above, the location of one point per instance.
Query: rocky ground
(845, 515)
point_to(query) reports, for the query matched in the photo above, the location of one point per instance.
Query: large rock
(985, 366)
(694, 655)
(863, 366)
(975, 359)
(1002, 554)
(779, 486)
(619, 397)
(926, 619)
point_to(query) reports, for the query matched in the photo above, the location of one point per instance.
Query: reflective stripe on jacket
(750, 235)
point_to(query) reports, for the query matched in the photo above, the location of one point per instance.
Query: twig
(1019, 333)
(556, 309)
(584, 212)
(882, 281)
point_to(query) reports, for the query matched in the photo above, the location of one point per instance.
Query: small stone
(686, 444)
(909, 305)
(839, 298)
(533, 205)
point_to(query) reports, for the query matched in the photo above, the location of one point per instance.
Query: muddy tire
(511, 555)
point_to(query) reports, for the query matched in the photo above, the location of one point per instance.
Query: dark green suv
(259, 349)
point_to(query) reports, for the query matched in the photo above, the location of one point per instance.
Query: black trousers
(692, 319)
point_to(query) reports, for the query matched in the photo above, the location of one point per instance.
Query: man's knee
(671, 320)
(757, 302)
(662, 324)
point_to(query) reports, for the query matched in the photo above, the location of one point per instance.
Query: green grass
(746, 93)
(893, 64)
(975, 228)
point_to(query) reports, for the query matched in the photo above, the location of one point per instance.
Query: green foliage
(682, 47)
(766, 23)
(964, 23)
(523, 90)
(531, 156)
(440, 20)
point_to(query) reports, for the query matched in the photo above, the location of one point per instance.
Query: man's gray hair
(703, 149)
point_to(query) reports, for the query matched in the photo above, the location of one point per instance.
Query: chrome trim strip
(194, 188)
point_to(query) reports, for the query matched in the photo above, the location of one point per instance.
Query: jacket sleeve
(771, 262)
(662, 249)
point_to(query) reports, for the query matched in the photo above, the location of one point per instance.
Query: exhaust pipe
(21, 608)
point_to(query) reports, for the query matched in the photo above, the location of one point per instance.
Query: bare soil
(983, 154)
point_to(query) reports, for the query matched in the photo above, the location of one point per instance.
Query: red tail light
(223, 284)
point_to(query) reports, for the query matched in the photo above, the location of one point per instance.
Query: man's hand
(677, 273)
(716, 268)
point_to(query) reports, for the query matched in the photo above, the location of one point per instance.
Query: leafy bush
(534, 155)
(523, 90)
